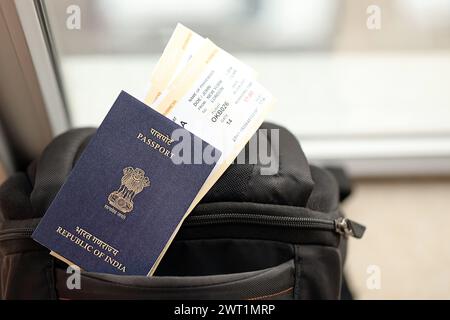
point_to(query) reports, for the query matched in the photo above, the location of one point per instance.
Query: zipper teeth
(15, 233)
(308, 223)
(213, 219)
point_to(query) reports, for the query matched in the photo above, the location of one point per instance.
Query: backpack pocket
(197, 269)
(271, 283)
(26, 268)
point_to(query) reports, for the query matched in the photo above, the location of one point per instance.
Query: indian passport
(129, 192)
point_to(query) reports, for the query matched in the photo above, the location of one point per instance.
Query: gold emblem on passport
(133, 181)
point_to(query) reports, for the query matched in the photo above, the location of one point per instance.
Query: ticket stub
(216, 96)
(183, 44)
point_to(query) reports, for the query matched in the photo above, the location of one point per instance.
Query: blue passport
(126, 197)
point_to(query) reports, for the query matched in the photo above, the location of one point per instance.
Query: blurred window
(353, 78)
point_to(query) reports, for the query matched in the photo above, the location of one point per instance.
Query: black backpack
(253, 236)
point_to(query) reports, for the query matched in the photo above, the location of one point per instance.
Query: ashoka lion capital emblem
(133, 181)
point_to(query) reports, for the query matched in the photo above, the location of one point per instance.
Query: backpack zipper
(16, 233)
(343, 226)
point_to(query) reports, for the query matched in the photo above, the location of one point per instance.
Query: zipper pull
(348, 227)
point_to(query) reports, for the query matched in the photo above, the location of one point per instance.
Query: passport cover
(125, 198)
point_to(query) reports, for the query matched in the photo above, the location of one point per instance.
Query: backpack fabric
(253, 236)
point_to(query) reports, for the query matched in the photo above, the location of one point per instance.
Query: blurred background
(362, 84)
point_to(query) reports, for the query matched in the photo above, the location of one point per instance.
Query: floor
(405, 253)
